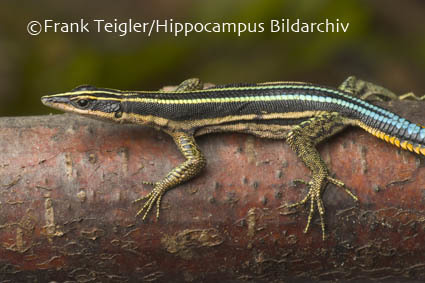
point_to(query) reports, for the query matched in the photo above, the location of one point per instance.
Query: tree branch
(67, 212)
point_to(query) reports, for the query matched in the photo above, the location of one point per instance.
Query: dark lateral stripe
(235, 100)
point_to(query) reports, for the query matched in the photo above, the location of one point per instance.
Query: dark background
(385, 44)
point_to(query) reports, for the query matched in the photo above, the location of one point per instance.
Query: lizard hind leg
(366, 90)
(302, 139)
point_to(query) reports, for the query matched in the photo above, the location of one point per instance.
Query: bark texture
(67, 186)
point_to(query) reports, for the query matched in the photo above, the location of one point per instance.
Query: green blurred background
(385, 44)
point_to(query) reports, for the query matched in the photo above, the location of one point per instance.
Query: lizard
(303, 114)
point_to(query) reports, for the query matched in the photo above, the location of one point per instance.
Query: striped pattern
(266, 103)
(303, 114)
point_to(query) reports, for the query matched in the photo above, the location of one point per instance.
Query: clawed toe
(341, 185)
(153, 197)
(300, 181)
(316, 187)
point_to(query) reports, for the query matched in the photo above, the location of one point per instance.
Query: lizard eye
(83, 103)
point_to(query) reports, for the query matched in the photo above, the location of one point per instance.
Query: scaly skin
(303, 114)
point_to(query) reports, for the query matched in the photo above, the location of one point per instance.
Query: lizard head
(90, 101)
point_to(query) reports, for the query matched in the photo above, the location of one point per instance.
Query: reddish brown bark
(67, 186)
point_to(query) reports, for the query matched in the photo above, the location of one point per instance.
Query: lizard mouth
(59, 103)
(49, 100)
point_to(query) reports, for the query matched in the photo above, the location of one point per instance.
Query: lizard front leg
(302, 139)
(190, 84)
(194, 163)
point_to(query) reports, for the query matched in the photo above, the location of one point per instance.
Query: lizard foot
(153, 197)
(313, 196)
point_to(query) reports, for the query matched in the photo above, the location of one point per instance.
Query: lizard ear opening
(118, 111)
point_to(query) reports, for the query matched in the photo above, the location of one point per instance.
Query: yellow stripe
(190, 124)
(391, 139)
(281, 83)
(383, 136)
(259, 86)
(404, 145)
(186, 101)
(397, 142)
(95, 98)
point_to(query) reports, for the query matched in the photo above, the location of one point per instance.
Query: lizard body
(301, 113)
